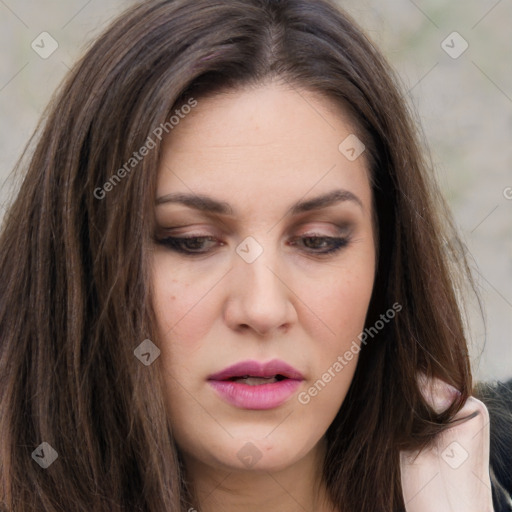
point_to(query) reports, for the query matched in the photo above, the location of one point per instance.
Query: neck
(296, 488)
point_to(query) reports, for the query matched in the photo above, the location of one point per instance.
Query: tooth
(256, 381)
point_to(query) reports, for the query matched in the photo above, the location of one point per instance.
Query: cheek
(342, 307)
(340, 298)
(184, 310)
(183, 303)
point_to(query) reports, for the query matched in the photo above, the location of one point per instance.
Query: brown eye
(321, 244)
(314, 242)
(190, 245)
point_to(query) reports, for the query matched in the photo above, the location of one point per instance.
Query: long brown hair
(75, 293)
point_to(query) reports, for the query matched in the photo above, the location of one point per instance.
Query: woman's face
(278, 268)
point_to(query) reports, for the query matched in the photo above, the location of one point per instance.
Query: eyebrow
(210, 205)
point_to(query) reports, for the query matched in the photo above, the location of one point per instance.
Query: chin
(253, 449)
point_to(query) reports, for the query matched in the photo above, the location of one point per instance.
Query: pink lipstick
(255, 385)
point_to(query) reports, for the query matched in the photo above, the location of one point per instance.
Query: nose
(260, 298)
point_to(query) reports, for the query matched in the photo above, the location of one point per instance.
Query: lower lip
(259, 397)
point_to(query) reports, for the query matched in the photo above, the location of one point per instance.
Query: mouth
(262, 373)
(254, 385)
(251, 380)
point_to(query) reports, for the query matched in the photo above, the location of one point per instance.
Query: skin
(261, 150)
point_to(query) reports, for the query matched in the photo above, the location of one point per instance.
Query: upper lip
(257, 369)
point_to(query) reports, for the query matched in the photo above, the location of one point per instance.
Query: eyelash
(176, 244)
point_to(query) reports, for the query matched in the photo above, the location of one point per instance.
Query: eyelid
(329, 228)
(312, 227)
(188, 231)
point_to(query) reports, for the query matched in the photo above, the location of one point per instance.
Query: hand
(452, 474)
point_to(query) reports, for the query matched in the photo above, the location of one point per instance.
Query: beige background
(464, 105)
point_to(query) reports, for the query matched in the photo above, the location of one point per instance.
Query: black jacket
(498, 400)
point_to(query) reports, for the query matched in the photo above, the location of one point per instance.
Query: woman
(229, 282)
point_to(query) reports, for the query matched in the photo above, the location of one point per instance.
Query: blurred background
(454, 61)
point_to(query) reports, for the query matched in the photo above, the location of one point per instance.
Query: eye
(190, 244)
(196, 245)
(321, 244)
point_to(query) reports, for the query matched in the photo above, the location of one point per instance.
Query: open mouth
(257, 381)
(255, 385)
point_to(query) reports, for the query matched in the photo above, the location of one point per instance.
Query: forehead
(273, 112)
(267, 138)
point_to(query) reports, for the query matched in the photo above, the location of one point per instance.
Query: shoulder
(497, 397)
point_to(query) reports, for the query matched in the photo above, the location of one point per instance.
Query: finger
(452, 474)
